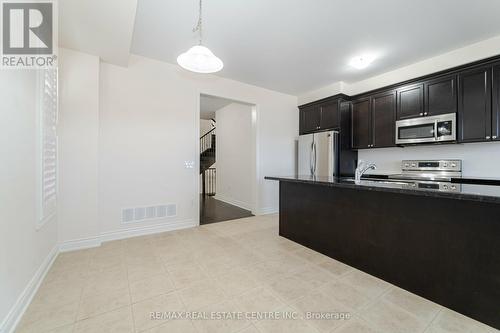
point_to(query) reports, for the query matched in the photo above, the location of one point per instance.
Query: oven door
(426, 129)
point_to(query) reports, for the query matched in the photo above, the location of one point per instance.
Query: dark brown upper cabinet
(410, 101)
(472, 91)
(330, 116)
(383, 107)
(310, 118)
(495, 115)
(440, 96)
(373, 121)
(432, 98)
(361, 124)
(320, 117)
(474, 105)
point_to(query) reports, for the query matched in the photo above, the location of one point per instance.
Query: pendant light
(200, 59)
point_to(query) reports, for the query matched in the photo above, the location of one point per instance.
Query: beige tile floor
(239, 266)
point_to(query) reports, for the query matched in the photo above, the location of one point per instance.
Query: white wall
(149, 116)
(479, 159)
(467, 54)
(234, 155)
(78, 148)
(23, 249)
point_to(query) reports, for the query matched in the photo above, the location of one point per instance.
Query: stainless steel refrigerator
(318, 154)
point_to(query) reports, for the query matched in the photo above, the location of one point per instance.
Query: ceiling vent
(137, 214)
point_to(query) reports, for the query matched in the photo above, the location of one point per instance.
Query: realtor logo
(28, 34)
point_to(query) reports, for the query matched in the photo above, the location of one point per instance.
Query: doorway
(227, 159)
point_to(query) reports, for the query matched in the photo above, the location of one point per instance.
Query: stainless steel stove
(430, 174)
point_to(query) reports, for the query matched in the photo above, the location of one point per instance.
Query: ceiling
(210, 104)
(100, 27)
(294, 46)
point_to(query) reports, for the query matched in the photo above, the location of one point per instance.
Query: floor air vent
(148, 213)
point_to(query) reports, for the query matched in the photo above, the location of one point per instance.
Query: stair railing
(207, 141)
(207, 144)
(209, 181)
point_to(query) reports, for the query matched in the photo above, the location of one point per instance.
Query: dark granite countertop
(477, 181)
(475, 192)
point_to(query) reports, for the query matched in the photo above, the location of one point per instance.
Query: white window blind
(48, 143)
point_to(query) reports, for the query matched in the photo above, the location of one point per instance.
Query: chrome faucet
(362, 168)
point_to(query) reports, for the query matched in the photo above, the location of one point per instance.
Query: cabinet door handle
(494, 137)
(487, 138)
(426, 113)
(421, 113)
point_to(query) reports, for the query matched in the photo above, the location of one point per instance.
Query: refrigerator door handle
(314, 159)
(311, 159)
(335, 155)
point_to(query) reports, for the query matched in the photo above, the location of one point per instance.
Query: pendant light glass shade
(200, 59)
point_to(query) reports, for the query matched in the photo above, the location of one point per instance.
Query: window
(47, 143)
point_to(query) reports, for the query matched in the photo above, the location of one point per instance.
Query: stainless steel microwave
(427, 129)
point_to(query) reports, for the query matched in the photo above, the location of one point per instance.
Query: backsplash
(479, 159)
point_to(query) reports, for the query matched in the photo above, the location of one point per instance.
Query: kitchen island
(440, 245)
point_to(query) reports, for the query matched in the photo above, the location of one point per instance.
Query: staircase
(207, 159)
(207, 150)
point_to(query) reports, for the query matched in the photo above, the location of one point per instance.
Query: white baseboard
(80, 244)
(267, 210)
(234, 202)
(15, 314)
(86, 243)
(147, 230)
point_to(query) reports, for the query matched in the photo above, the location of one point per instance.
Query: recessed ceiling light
(361, 62)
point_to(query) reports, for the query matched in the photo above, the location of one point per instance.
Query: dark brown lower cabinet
(474, 105)
(443, 249)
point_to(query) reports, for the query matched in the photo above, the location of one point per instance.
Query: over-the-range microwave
(427, 129)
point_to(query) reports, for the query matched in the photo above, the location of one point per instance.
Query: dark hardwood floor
(213, 210)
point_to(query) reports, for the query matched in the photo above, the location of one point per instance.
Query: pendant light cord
(199, 25)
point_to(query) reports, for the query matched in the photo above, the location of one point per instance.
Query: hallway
(213, 210)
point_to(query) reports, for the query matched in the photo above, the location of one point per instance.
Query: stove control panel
(434, 186)
(432, 165)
